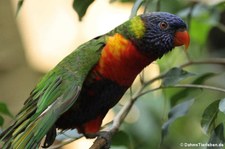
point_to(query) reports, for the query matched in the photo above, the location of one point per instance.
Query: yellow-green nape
(137, 26)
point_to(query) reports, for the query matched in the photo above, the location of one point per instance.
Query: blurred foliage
(4, 111)
(81, 6)
(174, 114)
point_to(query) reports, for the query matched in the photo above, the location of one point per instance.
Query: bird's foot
(91, 135)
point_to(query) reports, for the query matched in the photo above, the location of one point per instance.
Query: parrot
(79, 91)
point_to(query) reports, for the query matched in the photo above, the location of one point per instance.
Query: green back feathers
(52, 96)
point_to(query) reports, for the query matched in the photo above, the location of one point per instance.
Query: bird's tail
(28, 129)
(16, 134)
(28, 134)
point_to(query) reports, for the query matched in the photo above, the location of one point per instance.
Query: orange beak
(182, 38)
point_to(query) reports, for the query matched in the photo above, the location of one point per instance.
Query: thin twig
(147, 3)
(142, 76)
(218, 61)
(158, 5)
(135, 8)
(189, 18)
(183, 86)
(198, 86)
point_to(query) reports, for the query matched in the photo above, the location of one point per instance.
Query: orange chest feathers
(120, 60)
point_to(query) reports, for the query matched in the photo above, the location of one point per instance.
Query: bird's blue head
(163, 31)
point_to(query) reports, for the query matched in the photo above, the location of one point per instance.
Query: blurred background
(45, 31)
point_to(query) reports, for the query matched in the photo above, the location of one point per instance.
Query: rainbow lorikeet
(81, 89)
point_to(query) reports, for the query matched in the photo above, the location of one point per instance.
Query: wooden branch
(99, 143)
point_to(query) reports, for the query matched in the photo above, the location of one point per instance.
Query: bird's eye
(163, 25)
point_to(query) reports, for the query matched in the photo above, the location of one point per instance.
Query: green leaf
(217, 137)
(81, 6)
(19, 5)
(190, 92)
(121, 138)
(4, 109)
(175, 75)
(177, 111)
(202, 78)
(1, 121)
(209, 116)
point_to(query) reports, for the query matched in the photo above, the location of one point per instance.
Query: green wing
(52, 96)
